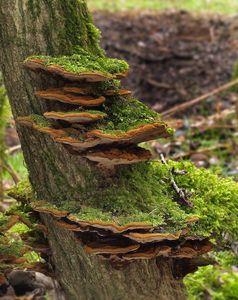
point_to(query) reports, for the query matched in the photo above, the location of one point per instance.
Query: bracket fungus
(140, 134)
(129, 242)
(95, 248)
(108, 137)
(76, 116)
(115, 156)
(104, 137)
(152, 237)
(87, 91)
(39, 123)
(57, 67)
(61, 96)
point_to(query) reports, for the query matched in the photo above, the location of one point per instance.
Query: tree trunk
(55, 27)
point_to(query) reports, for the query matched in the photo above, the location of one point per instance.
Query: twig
(202, 150)
(183, 106)
(9, 169)
(158, 84)
(13, 149)
(180, 192)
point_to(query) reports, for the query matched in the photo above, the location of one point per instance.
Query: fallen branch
(183, 106)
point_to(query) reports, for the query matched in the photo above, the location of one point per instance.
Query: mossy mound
(22, 192)
(218, 282)
(83, 61)
(148, 196)
(125, 114)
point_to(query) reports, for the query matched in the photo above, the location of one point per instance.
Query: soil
(173, 56)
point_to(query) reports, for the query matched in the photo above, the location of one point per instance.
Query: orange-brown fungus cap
(95, 76)
(29, 122)
(75, 117)
(117, 92)
(152, 252)
(111, 226)
(153, 237)
(115, 156)
(51, 211)
(76, 90)
(78, 144)
(137, 135)
(62, 96)
(98, 248)
(85, 91)
(65, 225)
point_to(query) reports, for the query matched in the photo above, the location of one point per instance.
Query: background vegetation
(220, 6)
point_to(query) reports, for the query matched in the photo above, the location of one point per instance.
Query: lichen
(83, 61)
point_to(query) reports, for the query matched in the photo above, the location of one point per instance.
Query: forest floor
(174, 57)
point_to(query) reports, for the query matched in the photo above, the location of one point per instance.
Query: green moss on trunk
(149, 197)
(79, 29)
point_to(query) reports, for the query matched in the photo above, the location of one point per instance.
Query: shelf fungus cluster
(91, 115)
(123, 244)
(94, 118)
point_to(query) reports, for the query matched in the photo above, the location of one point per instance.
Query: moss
(3, 221)
(40, 121)
(83, 61)
(79, 30)
(22, 192)
(143, 192)
(218, 282)
(214, 199)
(114, 84)
(126, 113)
(8, 247)
(13, 246)
(34, 8)
(88, 213)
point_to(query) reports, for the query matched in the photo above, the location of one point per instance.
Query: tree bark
(44, 27)
(87, 277)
